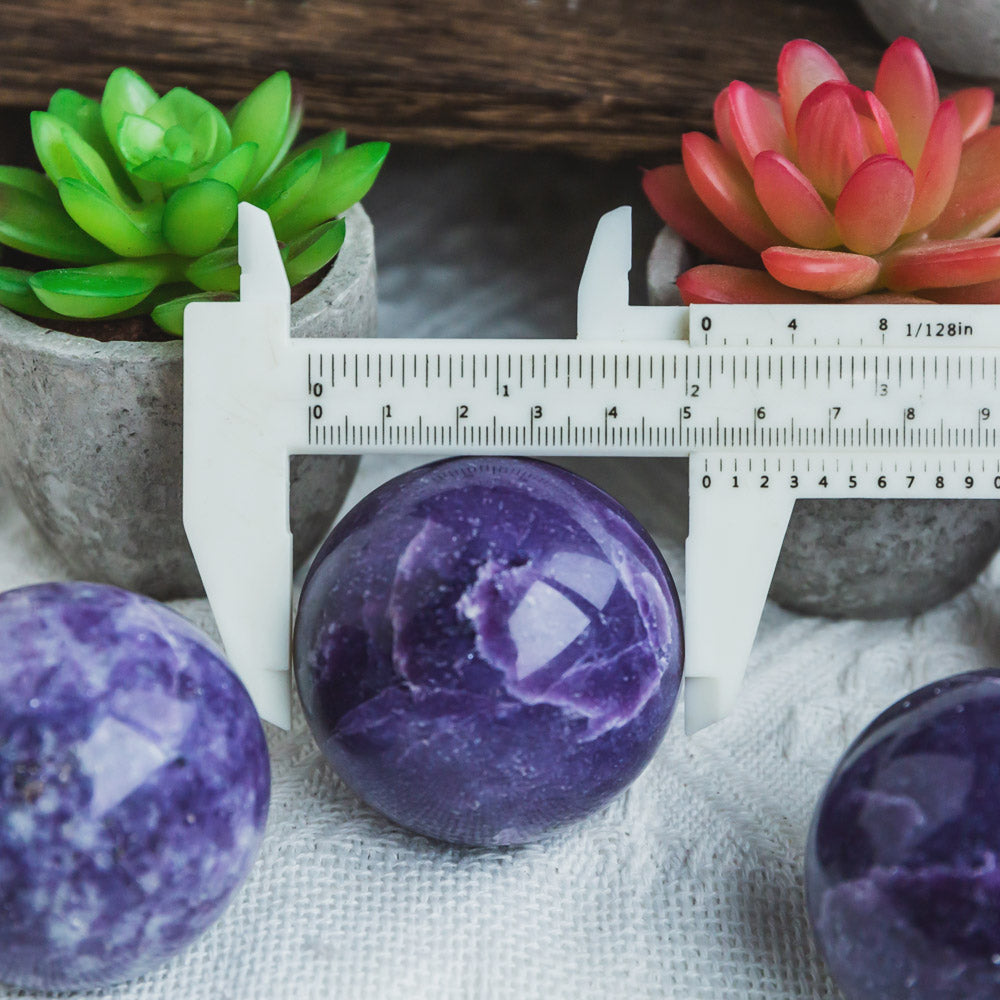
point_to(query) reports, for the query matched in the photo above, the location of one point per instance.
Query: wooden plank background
(603, 78)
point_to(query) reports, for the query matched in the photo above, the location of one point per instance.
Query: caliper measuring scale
(769, 403)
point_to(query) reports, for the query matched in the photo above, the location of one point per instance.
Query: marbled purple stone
(134, 785)
(488, 648)
(903, 861)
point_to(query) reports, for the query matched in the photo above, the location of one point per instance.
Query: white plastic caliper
(769, 402)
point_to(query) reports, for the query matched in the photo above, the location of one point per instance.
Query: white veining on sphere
(593, 579)
(542, 625)
(138, 756)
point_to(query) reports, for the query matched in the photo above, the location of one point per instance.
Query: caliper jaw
(733, 538)
(237, 392)
(733, 543)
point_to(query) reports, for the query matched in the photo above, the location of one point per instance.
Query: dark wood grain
(600, 77)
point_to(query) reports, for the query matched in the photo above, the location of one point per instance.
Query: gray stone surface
(858, 558)
(90, 437)
(882, 558)
(958, 35)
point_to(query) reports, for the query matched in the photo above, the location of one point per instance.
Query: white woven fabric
(687, 887)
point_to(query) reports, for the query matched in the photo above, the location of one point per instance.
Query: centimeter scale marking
(769, 403)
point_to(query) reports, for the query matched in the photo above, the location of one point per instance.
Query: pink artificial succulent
(840, 193)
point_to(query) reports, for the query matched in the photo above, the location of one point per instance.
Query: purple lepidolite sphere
(488, 648)
(134, 785)
(903, 860)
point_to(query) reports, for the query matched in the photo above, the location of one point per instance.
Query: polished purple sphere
(134, 785)
(488, 648)
(903, 861)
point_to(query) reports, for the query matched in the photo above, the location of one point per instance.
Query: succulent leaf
(291, 133)
(180, 144)
(343, 180)
(330, 144)
(140, 139)
(938, 168)
(263, 117)
(722, 115)
(975, 109)
(943, 264)
(178, 106)
(973, 210)
(210, 137)
(63, 153)
(101, 290)
(726, 189)
(165, 170)
(197, 216)
(905, 84)
(831, 273)
(719, 284)
(16, 293)
(887, 299)
(309, 253)
(981, 293)
(30, 181)
(193, 122)
(83, 115)
(829, 138)
(288, 186)
(169, 315)
(36, 223)
(125, 93)
(883, 139)
(127, 234)
(792, 203)
(670, 193)
(874, 204)
(802, 67)
(756, 123)
(217, 271)
(182, 107)
(234, 167)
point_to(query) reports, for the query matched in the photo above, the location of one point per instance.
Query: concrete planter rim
(25, 332)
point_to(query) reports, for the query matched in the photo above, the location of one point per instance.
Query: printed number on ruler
(972, 476)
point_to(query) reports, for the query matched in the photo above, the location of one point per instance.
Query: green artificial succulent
(137, 203)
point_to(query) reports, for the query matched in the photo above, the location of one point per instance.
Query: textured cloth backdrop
(687, 887)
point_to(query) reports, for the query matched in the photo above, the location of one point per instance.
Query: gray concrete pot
(858, 558)
(960, 35)
(90, 437)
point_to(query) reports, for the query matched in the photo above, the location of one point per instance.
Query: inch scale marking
(620, 402)
(770, 403)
